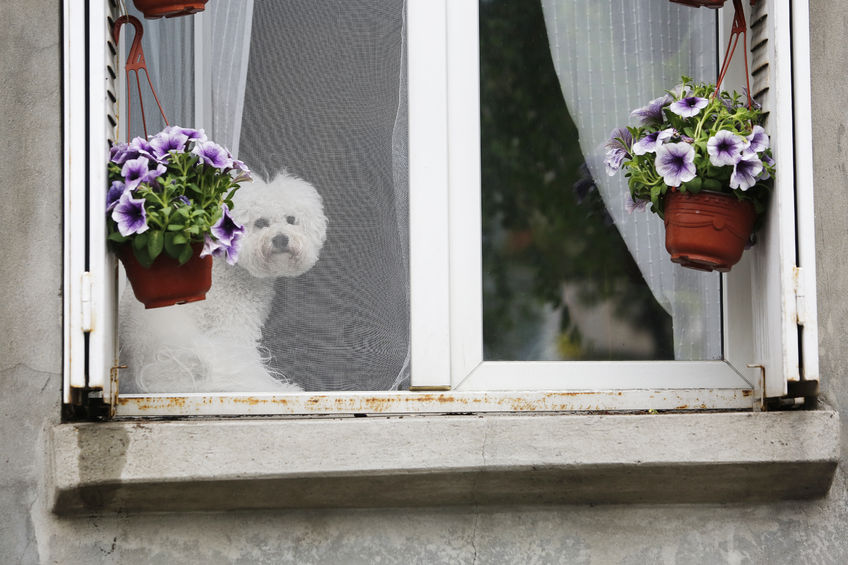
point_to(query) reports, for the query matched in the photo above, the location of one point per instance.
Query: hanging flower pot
(703, 163)
(153, 9)
(707, 231)
(168, 210)
(166, 282)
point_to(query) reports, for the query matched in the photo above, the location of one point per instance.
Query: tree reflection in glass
(558, 281)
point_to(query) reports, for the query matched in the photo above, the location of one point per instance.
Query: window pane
(324, 101)
(568, 273)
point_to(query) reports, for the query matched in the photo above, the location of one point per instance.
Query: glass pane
(323, 106)
(568, 274)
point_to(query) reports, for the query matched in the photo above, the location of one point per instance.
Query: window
(767, 304)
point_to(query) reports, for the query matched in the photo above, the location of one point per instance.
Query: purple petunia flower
(211, 153)
(676, 163)
(210, 246)
(134, 171)
(767, 160)
(120, 152)
(631, 205)
(165, 142)
(226, 229)
(129, 214)
(218, 249)
(191, 133)
(142, 147)
(758, 139)
(746, 171)
(184, 199)
(244, 174)
(114, 194)
(618, 149)
(652, 141)
(725, 148)
(652, 113)
(689, 106)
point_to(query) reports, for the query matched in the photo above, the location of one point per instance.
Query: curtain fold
(223, 36)
(613, 56)
(209, 95)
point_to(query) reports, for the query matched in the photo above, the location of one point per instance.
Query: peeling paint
(432, 402)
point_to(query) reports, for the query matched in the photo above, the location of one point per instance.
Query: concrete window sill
(437, 460)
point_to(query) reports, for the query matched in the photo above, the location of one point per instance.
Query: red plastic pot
(153, 9)
(167, 282)
(707, 231)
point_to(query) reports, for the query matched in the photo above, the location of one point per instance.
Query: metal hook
(135, 62)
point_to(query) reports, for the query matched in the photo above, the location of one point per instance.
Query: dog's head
(285, 226)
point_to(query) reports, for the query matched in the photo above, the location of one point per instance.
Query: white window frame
(761, 326)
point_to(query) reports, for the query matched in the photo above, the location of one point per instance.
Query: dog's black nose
(280, 241)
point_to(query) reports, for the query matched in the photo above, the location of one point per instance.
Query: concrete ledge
(438, 460)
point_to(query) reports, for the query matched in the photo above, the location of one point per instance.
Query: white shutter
(783, 282)
(90, 272)
(102, 95)
(74, 198)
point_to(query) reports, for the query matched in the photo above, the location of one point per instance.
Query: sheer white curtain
(198, 66)
(222, 38)
(168, 45)
(612, 56)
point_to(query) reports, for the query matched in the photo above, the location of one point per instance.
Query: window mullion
(428, 193)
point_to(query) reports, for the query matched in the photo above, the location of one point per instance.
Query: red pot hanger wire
(135, 62)
(740, 28)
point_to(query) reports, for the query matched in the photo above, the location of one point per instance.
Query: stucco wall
(30, 382)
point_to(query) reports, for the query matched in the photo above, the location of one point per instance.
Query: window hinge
(85, 302)
(800, 296)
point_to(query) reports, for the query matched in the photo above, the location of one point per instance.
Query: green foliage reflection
(546, 232)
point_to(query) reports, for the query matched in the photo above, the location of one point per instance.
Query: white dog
(214, 345)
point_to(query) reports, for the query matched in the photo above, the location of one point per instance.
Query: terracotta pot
(707, 231)
(153, 9)
(167, 282)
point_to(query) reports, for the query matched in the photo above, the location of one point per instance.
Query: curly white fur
(214, 345)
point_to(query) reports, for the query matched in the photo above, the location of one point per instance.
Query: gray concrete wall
(30, 382)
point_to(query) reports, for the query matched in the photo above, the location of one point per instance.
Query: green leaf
(185, 255)
(180, 238)
(176, 227)
(155, 243)
(143, 257)
(694, 185)
(140, 241)
(712, 184)
(170, 248)
(117, 237)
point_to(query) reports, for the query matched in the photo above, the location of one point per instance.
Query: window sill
(438, 460)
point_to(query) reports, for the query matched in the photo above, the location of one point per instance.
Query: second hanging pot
(153, 9)
(707, 231)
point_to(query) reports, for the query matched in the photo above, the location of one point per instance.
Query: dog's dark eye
(291, 219)
(261, 223)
